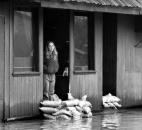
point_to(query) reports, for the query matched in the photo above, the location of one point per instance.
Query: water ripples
(119, 120)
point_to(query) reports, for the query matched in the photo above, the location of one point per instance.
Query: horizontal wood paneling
(25, 95)
(129, 74)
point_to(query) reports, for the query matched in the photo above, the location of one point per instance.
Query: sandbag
(117, 104)
(110, 98)
(70, 103)
(70, 97)
(54, 97)
(63, 112)
(111, 105)
(84, 98)
(71, 108)
(48, 110)
(48, 116)
(106, 99)
(63, 117)
(86, 110)
(78, 108)
(85, 104)
(106, 105)
(116, 99)
(76, 113)
(48, 103)
(87, 115)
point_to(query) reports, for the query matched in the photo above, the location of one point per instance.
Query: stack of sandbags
(52, 110)
(78, 108)
(71, 108)
(110, 101)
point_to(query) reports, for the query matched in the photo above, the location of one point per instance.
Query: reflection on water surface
(108, 120)
(111, 121)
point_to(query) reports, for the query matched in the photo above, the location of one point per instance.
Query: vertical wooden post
(11, 29)
(71, 48)
(41, 48)
(98, 34)
(8, 11)
(41, 40)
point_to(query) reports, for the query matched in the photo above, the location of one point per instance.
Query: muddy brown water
(107, 120)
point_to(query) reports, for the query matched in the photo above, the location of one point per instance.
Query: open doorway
(109, 53)
(56, 29)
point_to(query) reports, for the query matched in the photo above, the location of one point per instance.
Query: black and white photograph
(70, 64)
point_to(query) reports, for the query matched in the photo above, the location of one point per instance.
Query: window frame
(38, 70)
(91, 43)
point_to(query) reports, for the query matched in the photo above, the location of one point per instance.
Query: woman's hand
(65, 73)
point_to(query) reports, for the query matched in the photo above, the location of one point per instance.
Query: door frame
(71, 49)
(3, 74)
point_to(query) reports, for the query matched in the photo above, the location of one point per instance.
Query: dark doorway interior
(56, 28)
(109, 53)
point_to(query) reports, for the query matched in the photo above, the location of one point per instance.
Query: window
(25, 46)
(83, 42)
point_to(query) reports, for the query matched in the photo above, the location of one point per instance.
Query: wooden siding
(91, 83)
(2, 40)
(129, 61)
(98, 57)
(86, 84)
(25, 95)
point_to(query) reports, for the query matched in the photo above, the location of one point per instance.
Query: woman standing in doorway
(51, 66)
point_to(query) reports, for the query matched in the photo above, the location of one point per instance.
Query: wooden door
(2, 30)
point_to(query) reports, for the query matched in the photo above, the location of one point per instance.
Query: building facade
(98, 42)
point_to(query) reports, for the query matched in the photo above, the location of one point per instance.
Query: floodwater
(130, 119)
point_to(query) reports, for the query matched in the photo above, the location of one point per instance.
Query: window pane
(23, 41)
(81, 42)
(22, 34)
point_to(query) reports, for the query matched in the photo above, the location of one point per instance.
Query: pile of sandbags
(110, 101)
(71, 108)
